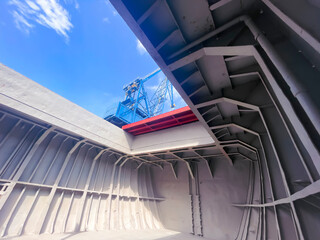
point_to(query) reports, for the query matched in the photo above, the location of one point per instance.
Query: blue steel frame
(136, 105)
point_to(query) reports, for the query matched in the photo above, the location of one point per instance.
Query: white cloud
(160, 77)
(106, 20)
(152, 88)
(111, 8)
(21, 23)
(33, 5)
(72, 2)
(48, 13)
(177, 99)
(76, 4)
(141, 49)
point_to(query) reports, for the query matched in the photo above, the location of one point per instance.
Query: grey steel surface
(249, 70)
(250, 73)
(55, 182)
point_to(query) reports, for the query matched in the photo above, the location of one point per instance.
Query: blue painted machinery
(137, 105)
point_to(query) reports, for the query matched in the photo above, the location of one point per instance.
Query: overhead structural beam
(174, 167)
(302, 33)
(314, 43)
(238, 142)
(256, 108)
(298, 91)
(212, 51)
(219, 4)
(282, 172)
(236, 126)
(167, 39)
(206, 37)
(145, 161)
(187, 164)
(199, 116)
(206, 162)
(148, 12)
(312, 189)
(251, 51)
(296, 88)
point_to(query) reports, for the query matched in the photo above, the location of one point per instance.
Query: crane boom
(137, 106)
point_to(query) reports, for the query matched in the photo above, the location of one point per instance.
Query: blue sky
(80, 49)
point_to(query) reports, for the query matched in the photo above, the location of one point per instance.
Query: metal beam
(219, 4)
(310, 190)
(302, 33)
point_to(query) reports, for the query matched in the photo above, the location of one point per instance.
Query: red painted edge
(166, 120)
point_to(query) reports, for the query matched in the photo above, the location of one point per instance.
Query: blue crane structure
(136, 106)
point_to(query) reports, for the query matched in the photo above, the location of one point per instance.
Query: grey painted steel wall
(215, 218)
(54, 182)
(254, 88)
(26, 96)
(249, 70)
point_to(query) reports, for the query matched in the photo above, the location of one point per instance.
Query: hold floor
(118, 235)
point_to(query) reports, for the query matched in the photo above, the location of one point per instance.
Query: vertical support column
(296, 88)
(45, 210)
(25, 163)
(141, 205)
(13, 154)
(41, 158)
(153, 203)
(84, 195)
(54, 160)
(55, 214)
(118, 193)
(28, 212)
(4, 226)
(195, 202)
(111, 190)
